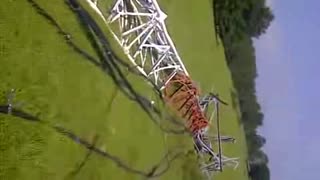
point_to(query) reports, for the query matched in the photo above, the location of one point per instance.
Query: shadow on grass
(156, 170)
(110, 63)
(235, 104)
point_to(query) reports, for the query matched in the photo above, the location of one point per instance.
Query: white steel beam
(143, 35)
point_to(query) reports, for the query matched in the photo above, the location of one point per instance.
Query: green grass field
(62, 88)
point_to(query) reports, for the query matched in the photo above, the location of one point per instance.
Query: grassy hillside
(63, 89)
(191, 25)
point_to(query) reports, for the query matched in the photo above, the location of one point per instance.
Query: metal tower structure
(142, 34)
(139, 28)
(203, 145)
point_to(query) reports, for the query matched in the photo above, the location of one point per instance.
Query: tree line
(237, 24)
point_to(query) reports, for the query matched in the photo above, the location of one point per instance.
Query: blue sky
(288, 89)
